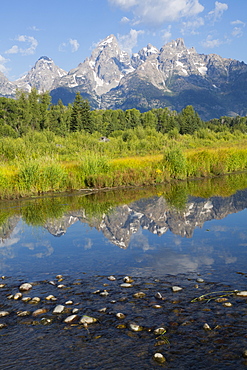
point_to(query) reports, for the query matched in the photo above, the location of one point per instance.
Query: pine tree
(81, 115)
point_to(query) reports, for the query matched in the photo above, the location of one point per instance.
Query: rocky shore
(122, 322)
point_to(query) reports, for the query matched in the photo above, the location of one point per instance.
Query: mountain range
(174, 76)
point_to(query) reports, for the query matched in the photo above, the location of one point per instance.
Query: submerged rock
(25, 287)
(158, 357)
(70, 319)
(4, 313)
(59, 309)
(176, 289)
(87, 320)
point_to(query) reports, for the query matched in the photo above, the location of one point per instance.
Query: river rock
(176, 289)
(50, 297)
(25, 287)
(3, 326)
(242, 293)
(200, 280)
(70, 319)
(120, 315)
(2, 285)
(104, 293)
(87, 320)
(26, 299)
(206, 327)
(158, 295)
(135, 327)
(126, 285)
(4, 313)
(17, 296)
(139, 295)
(40, 311)
(59, 309)
(69, 302)
(35, 300)
(128, 279)
(111, 278)
(23, 313)
(244, 354)
(158, 357)
(160, 331)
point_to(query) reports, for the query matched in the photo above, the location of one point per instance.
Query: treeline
(34, 111)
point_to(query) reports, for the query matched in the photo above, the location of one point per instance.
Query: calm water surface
(161, 237)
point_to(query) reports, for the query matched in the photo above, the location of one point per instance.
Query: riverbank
(37, 165)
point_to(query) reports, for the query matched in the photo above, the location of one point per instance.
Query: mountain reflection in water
(154, 223)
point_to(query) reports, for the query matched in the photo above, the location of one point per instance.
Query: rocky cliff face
(173, 77)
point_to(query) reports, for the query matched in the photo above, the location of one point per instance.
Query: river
(191, 235)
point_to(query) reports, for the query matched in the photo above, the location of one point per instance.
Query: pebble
(128, 279)
(126, 285)
(242, 294)
(70, 319)
(200, 280)
(87, 320)
(158, 357)
(4, 313)
(50, 297)
(59, 309)
(219, 300)
(157, 306)
(120, 315)
(59, 277)
(69, 302)
(26, 299)
(75, 310)
(104, 293)
(2, 285)
(158, 295)
(111, 278)
(34, 300)
(40, 311)
(135, 327)
(102, 310)
(159, 331)
(17, 296)
(3, 326)
(45, 321)
(52, 282)
(23, 313)
(227, 304)
(206, 327)
(139, 295)
(61, 286)
(176, 288)
(244, 354)
(25, 287)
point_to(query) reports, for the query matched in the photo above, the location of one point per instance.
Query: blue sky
(67, 31)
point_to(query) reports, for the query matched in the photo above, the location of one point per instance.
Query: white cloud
(3, 61)
(74, 45)
(167, 34)
(125, 20)
(33, 28)
(211, 43)
(129, 41)
(192, 26)
(219, 9)
(33, 43)
(159, 11)
(237, 32)
(238, 22)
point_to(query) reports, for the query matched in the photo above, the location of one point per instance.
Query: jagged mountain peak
(41, 76)
(45, 58)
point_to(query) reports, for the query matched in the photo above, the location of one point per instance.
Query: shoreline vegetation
(53, 148)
